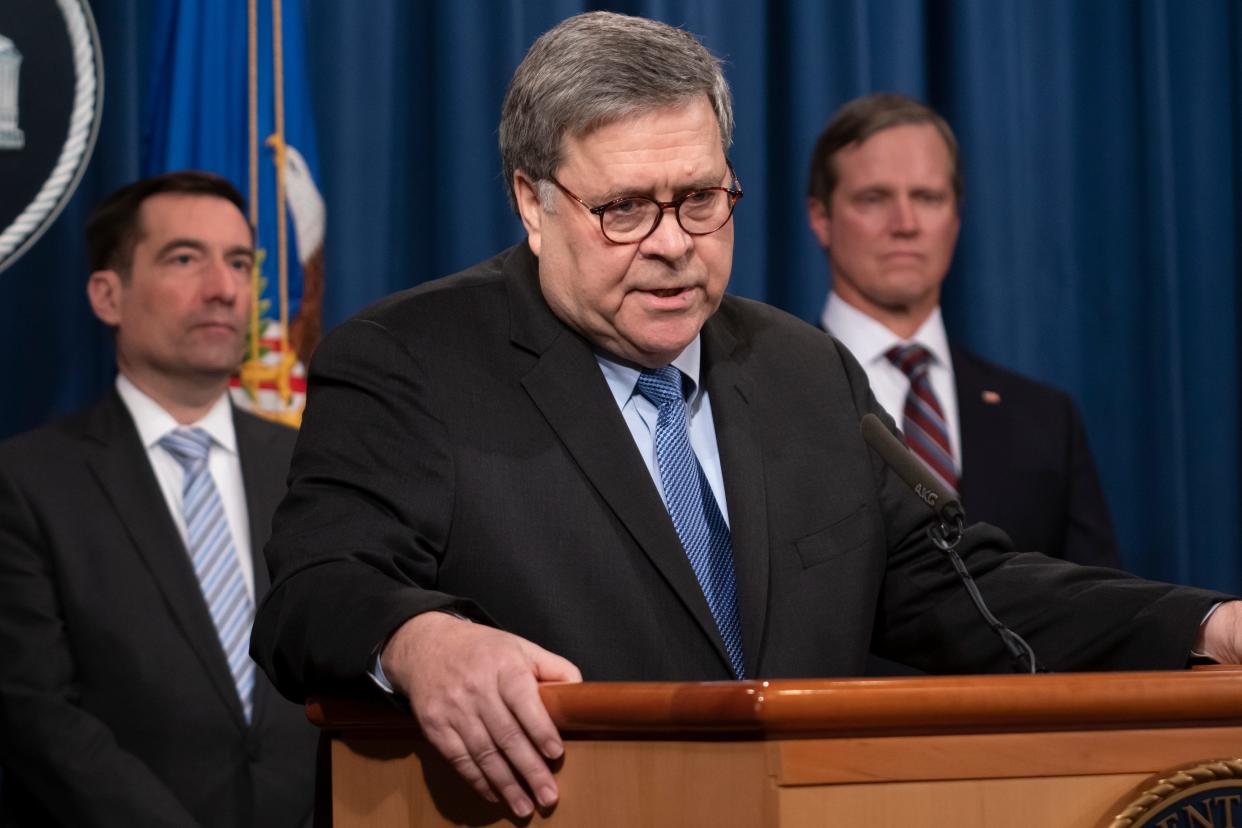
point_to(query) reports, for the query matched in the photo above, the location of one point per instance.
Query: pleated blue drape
(1100, 248)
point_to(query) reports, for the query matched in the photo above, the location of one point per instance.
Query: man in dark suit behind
(884, 198)
(126, 693)
(615, 471)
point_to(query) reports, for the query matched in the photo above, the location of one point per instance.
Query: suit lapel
(569, 389)
(120, 464)
(974, 425)
(741, 460)
(255, 452)
(262, 492)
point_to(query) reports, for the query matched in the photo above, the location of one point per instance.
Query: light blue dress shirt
(640, 416)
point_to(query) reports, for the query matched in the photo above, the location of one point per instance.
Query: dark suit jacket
(116, 704)
(1026, 465)
(461, 450)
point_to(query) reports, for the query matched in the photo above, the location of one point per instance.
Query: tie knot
(911, 359)
(662, 386)
(188, 446)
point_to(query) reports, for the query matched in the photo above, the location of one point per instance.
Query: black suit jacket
(116, 703)
(461, 450)
(1026, 465)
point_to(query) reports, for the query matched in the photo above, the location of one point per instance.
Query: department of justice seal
(51, 99)
(1207, 795)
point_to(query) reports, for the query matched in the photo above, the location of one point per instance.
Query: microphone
(939, 498)
(948, 531)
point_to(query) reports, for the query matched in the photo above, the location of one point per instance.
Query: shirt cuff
(377, 675)
(1196, 653)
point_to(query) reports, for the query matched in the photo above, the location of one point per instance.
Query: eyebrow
(875, 188)
(196, 244)
(704, 183)
(885, 187)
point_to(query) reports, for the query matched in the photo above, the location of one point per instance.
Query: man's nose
(905, 219)
(668, 240)
(220, 282)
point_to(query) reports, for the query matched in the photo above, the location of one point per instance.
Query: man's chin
(210, 374)
(902, 295)
(910, 285)
(212, 366)
(660, 351)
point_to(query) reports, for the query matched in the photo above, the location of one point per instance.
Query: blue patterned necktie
(692, 506)
(214, 559)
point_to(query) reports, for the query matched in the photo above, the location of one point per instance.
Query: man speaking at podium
(579, 459)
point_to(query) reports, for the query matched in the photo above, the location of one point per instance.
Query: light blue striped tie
(214, 559)
(692, 506)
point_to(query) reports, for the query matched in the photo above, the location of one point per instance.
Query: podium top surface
(853, 707)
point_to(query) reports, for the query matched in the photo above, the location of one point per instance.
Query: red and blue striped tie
(923, 418)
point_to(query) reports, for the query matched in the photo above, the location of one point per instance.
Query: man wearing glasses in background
(579, 459)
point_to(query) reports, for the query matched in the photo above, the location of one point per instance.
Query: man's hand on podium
(1220, 636)
(474, 691)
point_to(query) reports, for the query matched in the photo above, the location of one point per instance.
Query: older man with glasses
(580, 459)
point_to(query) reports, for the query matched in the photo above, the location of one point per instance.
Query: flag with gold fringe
(230, 95)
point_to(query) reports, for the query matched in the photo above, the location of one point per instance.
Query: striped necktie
(922, 417)
(704, 535)
(213, 557)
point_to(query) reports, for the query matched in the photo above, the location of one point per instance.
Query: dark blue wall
(1100, 243)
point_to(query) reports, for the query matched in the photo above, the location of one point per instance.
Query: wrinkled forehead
(632, 114)
(687, 127)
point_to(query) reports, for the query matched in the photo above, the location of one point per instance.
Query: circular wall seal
(51, 99)
(1209, 794)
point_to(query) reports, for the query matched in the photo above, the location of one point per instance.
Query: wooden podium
(1057, 751)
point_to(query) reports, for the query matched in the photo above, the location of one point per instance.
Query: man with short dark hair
(884, 199)
(131, 550)
(580, 459)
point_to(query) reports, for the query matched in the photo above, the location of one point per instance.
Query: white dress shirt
(223, 461)
(868, 341)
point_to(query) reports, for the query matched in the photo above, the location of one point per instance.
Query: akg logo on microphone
(929, 497)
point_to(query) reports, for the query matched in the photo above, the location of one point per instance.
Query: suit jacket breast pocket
(839, 538)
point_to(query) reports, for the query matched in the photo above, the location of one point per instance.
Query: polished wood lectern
(966, 751)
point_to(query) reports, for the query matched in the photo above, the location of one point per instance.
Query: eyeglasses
(631, 219)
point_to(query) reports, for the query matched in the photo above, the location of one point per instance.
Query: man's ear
(530, 209)
(821, 223)
(104, 291)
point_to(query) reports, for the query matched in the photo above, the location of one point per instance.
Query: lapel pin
(991, 397)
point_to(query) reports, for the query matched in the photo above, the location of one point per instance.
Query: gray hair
(594, 69)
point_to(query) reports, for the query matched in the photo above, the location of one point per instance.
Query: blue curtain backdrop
(1100, 247)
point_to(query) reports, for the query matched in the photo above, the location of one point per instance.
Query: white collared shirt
(223, 461)
(640, 415)
(868, 341)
